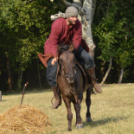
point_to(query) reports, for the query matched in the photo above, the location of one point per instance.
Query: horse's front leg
(88, 103)
(69, 112)
(77, 108)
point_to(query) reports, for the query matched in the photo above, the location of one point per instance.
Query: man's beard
(71, 22)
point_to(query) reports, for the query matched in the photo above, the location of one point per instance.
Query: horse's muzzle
(70, 79)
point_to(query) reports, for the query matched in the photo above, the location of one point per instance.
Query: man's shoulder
(59, 21)
(78, 23)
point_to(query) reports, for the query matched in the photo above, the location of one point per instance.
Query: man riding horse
(64, 30)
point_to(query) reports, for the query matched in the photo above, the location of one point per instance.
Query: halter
(62, 72)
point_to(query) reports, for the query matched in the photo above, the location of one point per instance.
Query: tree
(25, 25)
(112, 26)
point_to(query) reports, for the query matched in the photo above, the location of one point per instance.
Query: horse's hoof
(69, 129)
(89, 119)
(79, 126)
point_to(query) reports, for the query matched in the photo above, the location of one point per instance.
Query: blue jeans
(80, 54)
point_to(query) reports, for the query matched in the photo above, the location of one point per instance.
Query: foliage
(124, 57)
(113, 31)
(28, 24)
(24, 27)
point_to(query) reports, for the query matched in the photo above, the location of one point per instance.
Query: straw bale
(25, 119)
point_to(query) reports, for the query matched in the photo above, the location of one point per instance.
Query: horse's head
(67, 62)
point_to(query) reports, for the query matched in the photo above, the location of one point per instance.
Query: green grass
(112, 111)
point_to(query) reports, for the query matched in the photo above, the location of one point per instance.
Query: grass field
(112, 111)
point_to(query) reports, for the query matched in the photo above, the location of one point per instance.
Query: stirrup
(53, 99)
(56, 104)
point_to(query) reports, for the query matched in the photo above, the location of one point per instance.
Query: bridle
(63, 72)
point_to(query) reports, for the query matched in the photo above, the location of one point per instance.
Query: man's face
(72, 20)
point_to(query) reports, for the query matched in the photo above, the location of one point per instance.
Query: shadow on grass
(104, 121)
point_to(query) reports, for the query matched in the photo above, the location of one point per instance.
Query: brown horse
(72, 83)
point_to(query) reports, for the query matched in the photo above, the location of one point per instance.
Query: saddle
(81, 68)
(84, 72)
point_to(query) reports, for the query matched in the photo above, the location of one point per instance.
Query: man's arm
(56, 31)
(77, 36)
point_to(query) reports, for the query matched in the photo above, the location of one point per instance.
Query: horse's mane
(63, 48)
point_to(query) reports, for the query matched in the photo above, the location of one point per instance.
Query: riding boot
(95, 84)
(57, 97)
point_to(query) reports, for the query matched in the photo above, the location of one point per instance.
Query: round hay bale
(24, 119)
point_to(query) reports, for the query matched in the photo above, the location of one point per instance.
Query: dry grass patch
(112, 111)
(25, 119)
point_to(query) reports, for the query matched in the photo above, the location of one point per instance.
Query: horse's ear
(58, 48)
(71, 48)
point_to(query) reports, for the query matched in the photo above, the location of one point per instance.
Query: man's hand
(54, 60)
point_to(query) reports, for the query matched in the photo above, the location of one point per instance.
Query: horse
(72, 84)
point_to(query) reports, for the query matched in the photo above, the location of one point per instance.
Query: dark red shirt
(60, 33)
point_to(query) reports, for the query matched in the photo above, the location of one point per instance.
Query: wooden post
(0, 96)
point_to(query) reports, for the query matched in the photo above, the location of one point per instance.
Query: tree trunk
(78, 2)
(20, 78)
(9, 74)
(0, 96)
(87, 20)
(106, 74)
(39, 74)
(121, 76)
(89, 6)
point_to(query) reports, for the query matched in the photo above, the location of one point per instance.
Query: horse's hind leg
(88, 103)
(69, 112)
